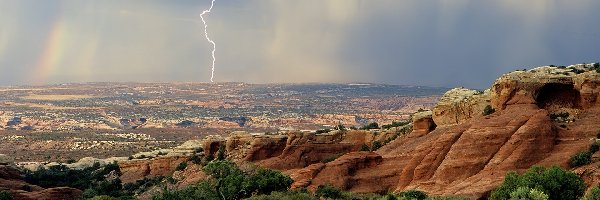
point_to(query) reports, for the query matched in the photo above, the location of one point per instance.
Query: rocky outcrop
(303, 149)
(470, 153)
(340, 172)
(11, 181)
(423, 122)
(265, 147)
(460, 105)
(550, 87)
(140, 169)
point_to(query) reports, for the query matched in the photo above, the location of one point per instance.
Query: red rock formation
(139, 169)
(471, 158)
(303, 149)
(265, 147)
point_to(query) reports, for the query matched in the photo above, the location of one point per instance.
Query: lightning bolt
(212, 75)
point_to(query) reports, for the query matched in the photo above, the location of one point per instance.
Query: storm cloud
(414, 42)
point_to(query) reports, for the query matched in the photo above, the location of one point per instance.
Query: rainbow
(52, 53)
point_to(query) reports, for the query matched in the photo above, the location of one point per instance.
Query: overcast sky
(414, 42)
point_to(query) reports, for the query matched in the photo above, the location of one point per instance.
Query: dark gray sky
(415, 42)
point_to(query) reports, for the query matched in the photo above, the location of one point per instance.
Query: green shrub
(413, 195)
(488, 110)
(376, 145)
(321, 131)
(528, 194)
(373, 125)
(181, 166)
(593, 195)
(390, 197)
(140, 186)
(328, 191)
(557, 183)
(293, 195)
(594, 147)
(265, 181)
(104, 197)
(92, 180)
(365, 147)
(227, 181)
(580, 159)
(448, 198)
(4, 195)
(196, 159)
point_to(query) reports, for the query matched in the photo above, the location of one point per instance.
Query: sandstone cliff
(469, 154)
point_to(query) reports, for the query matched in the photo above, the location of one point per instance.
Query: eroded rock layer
(470, 154)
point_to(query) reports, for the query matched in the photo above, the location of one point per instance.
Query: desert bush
(293, 195)
(373, 125)
(555, 182)
(580, 159)
(412, 195)
(594, 147)
(227, 181)
(328, 191)
(488, 110)
(142, 185)
(376, 145)
(265, 181)
(181, 166)
(365, 147)
(92, 180)
(4, 195)
(104, 197)
(528, 194)
(594, 194)
(321, 131)
(448, 198)
(196, 159)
